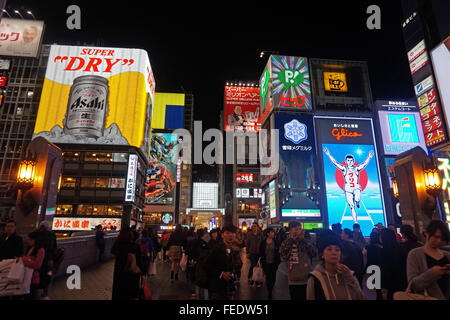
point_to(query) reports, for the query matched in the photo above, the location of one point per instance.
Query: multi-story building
(18, 111)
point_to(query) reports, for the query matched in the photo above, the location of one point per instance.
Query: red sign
(244, 178)
(432, 124)
(427, 98)
(429, 111)
(344, 133)
(3, 81)
(434, 137)
(292, 102)
(242, 109)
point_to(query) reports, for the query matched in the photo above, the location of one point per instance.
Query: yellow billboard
(335, 81)
(97, 95)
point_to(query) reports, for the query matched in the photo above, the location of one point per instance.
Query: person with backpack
(146, 248)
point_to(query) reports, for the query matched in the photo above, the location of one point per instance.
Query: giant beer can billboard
(96, 95)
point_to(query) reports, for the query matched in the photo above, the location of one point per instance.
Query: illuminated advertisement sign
(285, 84)
(248, 193)
(167, 217)
(131, 178)
(84, 224)
(351, 173)
(442, 160)
(335, 81)
(205, 195)
(427, 98)
(441, 63)
(401, 131)
(419, 62)
(3, 81)
(416, 51)
(389, 163)
(96, 95)
(242, 109)
(424, 85)
(272, 200)
(298, 190)
(244, 178)
(19, 37)
(161, 175)
(4, 64)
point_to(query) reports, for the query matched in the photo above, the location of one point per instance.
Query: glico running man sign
(353, 189)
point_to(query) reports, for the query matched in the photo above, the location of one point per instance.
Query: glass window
(87, 182)
(71, 156)
(100, 210)
(116, 183)
(64, 209)
(84, 210)
(98, 156)
(101, 182)
(68, 182)
(115, 210)
(119, 157)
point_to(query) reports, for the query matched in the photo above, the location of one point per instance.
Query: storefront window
(87, 182)
(64, 209)
(101, 182)
(100, 210)
(68, 182)
(98, 157)
(71, 156)
(115, 210)
(85, 210)
(119, 157)
(116, 183)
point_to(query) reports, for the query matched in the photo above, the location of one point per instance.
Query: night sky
(198, 47)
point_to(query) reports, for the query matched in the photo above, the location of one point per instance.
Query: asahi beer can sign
(87, 107)
(95, 95)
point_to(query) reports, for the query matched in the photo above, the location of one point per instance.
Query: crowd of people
(212, 261)
(41, 254)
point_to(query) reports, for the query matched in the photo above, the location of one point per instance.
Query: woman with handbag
(428, 267)
(128, 267)
(270, 259)
(33, 259)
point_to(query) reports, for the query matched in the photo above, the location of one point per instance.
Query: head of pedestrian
(10, 227)
(346, 234)
(437, 234)
(32, 240)
(356, 227)
(255, 227)
(213, 233)
(388, 239)
(44, 225)
(229, 235)
(200, 233)
(295, 230)
(407, 233)
(392, 227)
(374, 237)
(329, 246)
(269, 233)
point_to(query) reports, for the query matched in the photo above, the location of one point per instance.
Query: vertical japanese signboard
(131, 178)
(353, 187)
(298, 190)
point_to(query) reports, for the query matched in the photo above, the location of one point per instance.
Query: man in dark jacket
(352, 255)
(253, 243)
(11, 245)
(47, 239)
(220, 267)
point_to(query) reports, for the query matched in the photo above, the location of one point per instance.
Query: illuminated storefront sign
(335, 81)
(353, 187)
(417, 64)
(167, 217)
(443, 164)
(244, 178)
(416, 51)
(131, 178)
(84, 224)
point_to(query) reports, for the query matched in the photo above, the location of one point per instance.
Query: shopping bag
(258, 273)
(146, 292)
(408, 295)
(16, 272)
(16, 289)
(183, 262)
(152, 269)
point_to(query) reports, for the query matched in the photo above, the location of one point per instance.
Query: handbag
(152, 270)
(17, 272)
(131, 266)
(183, 262)
(144, 291)
(258, 272)
(408, 295)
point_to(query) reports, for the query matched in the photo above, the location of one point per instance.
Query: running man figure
(351, 176)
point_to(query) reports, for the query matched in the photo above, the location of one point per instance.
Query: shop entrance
(210, 219)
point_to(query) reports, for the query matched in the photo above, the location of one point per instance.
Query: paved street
(96, 284)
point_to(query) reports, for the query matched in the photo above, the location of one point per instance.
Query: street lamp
(18, 13)
(31, 14)
(395, 188)
(26, 173)
(432, 181)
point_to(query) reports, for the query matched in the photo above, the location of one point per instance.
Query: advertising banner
(20, 38)
(84, 224)
(96, 95)
(244, 178)
(335, 81)
(353, 187)
(416, 51)
(401, 131)
(419, 62)
(285, 84)
(242, 109)
(160, 187)
(298, 190)
(131, 178)
(205, 195)
(424, 85)
(441, 63)
(272, 200)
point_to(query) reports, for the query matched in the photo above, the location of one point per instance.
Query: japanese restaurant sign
(131, 178)
(84, 224)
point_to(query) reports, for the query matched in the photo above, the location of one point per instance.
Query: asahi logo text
(80, 104)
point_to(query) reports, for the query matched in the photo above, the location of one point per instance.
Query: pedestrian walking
(236, 247)
(176, 243)
(297, 252)
(196, 250)
(127, 266)
(352, 255)
(11, 245)
(47, 239)
(220, 267)
(332, 280)
(374, 255)
(146, 250)
(215, 238)
(254, 239)
(100, 241)
(393, 268)
(428, 267)
(33, 259)
(270, 259)
(164, 244)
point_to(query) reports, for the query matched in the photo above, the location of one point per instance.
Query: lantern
(395, 188)
(26, 173)
(432, 181)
